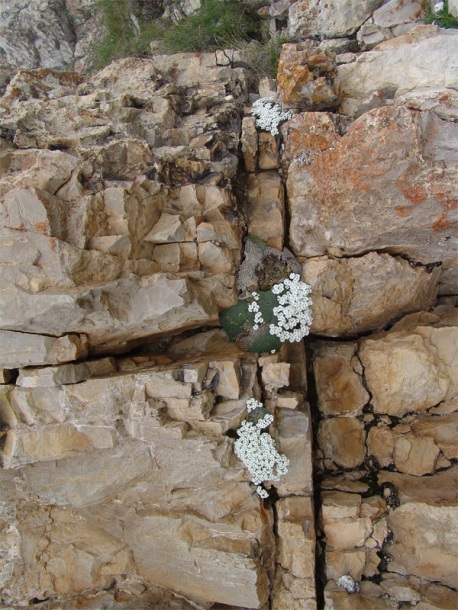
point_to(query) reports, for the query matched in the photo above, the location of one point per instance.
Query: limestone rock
(125, 310)
(337, 206)
(249, 143)
(380, 444)
(415, 455)
(294, 440)
(354, 295)
(275, 375)
(18, 349)
(331, 20)
(300, 76)
(418, 366)
(340, 387)
(341, 439)
(423, 541)
(294, 580)
(266, 208)
(307, 134)
(440, 489)
(393, 67)
(441, 430)
(65, 374)
(268, 151)
(343, 527)
(37, 35)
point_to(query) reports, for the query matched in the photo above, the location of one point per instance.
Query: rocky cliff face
(126, 196)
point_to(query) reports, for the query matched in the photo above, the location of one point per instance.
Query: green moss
(265, 343)
(238, 323)
(237, 320)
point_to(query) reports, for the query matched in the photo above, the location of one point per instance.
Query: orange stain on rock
(404, 211)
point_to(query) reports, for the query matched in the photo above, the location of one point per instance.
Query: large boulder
(387, 184)
(332, 19)
(402, 69)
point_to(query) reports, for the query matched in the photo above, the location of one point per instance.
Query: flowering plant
(269, 115)
(257, 449)
(292, 314)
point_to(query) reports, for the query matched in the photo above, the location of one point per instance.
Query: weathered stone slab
(353, 295)
(18, 349)
(330, 20)
(419, 366)
(339, 381)
(400, 65)
(368, 192)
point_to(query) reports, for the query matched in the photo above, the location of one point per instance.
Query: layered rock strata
(125, 197)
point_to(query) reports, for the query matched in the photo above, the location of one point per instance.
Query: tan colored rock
(22, 349)
(297, 537)
(300, 76)
(442, 429)
(289, 400)
(340, 388)
(294, 440)
(394, 65)
(294, 579)
(347, 534)
(417, 365)
(275, 375)
(415, 454)
(215, 259)
(341, 563)
(249, 143)
(228, 378)
(125, 310)
(354, 295)
(24, 446)
(341, 440)
(440, 489)
(424, 541)
(336, 203)
(66, 373)
(268, 151)
(336, 599)
(381, 441)
(266, 208)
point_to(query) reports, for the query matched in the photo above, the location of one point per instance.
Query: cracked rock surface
(125, 200)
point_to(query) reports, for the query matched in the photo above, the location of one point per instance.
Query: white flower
(268, 115)
(293, 311)
(262, 492)
(438, 7)
(257, 450)
(252, 404)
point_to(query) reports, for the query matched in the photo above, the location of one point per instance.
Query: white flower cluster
(293, 312)
(254, 308)
(257, 450)
(269, 115)
(438, 7)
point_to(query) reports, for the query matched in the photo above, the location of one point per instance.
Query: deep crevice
(316, 416)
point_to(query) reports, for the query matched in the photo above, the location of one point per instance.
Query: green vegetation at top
(442, 17)
(218, 24)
